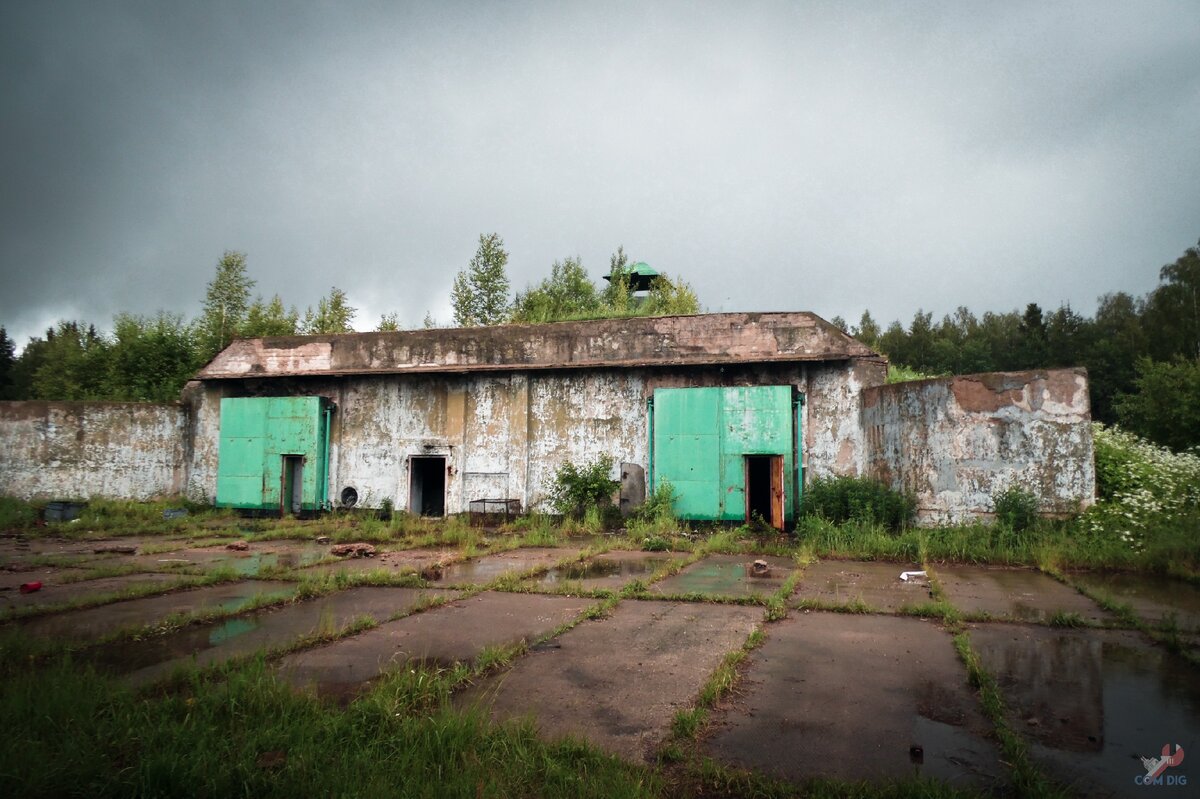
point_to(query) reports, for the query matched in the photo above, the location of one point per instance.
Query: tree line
(481, 292)
(1142, 353)
(149, 358)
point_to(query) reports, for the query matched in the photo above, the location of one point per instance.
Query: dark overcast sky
(811, 156)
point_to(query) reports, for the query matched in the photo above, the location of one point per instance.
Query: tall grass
(72, 732)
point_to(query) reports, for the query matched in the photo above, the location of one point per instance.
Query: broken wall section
(81, 450)
(957, 443)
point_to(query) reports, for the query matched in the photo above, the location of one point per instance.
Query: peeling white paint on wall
(78, 450)
(959, 442)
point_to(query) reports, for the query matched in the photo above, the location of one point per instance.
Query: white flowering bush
(1141, 486)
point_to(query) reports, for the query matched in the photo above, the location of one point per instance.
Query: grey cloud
(778, 156)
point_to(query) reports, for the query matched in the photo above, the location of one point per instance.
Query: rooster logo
(1155, 766)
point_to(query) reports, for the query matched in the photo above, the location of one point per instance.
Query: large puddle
(153, 658)
(727, 575)
(82, 625)
(1152, 598)
(612, 570)
(481, 571)
(1093, 702)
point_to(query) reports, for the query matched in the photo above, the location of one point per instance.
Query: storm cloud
(805, 156)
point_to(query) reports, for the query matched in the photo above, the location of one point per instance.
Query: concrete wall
(505, 435)
(958, 442)
(64, 450)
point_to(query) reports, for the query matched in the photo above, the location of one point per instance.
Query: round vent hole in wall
(349, 497)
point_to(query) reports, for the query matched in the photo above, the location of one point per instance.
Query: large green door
(703, 436)
(259, 435)
(687, 449)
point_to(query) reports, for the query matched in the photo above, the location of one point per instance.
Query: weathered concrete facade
(506, 406)
(67, 450)
(506, 435)
(959, 442)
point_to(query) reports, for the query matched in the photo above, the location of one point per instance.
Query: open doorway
(427, 485)
(764, 489)
(291, 495)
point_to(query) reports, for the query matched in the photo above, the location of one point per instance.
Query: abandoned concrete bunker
(737, 410)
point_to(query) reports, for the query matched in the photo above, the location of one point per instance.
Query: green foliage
(568, 293)
(655, 543)
(1143, 488)
(388, 323)
(577, 489)
(16, 513)
(859, 499)
(333, 315)
(71, 363)
(8, 361)
(248, 734)
(225, 303)
(1016, 508)
(899, 373)
(151, 358)
(480, 293)
(1165, 403)
(657, 514)
(270, 319)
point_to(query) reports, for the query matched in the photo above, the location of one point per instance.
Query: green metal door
(260, 436)
(701, 437)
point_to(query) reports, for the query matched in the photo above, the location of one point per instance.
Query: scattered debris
(324, 539)
(760, 568)
(115, 549)
(175, 513)
(238, 546)
(906, 576)
(29, 588)
(356, 550)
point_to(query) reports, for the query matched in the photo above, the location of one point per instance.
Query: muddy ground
(878, 694)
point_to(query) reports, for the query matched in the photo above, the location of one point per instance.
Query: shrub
(576, 489)
(657, 513)
(655, 543)
(1142, 487)
(1016, 509)
(860, 499)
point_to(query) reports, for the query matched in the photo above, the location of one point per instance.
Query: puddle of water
(1092, 702)
(232, 629)
(603, 570)
(1151, 597)
(152, 658)
(99, 621)
(484, 570)
(726, 575)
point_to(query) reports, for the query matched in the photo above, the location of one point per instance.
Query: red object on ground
(29, 588)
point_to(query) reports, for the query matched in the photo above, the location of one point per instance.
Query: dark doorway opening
(291, 495)
(764, 489)
(427, 485)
